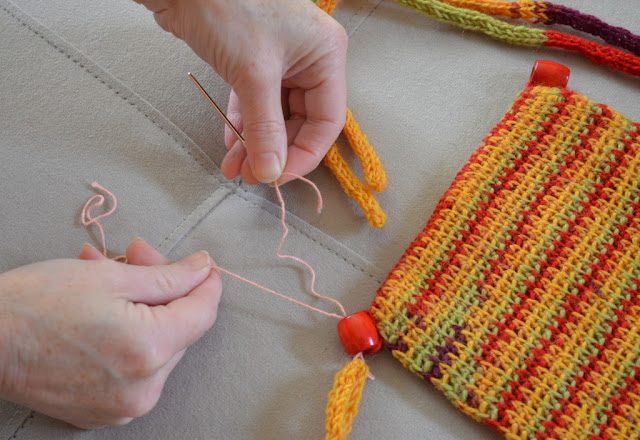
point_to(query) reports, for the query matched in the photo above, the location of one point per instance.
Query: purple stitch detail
(457, 333)
(398, 346)
(588, 23)
(435, 373)
(444, 350)
(472, 399)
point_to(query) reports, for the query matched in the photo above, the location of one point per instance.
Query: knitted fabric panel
(520, 299)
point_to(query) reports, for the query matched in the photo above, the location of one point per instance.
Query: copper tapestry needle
(226, 121)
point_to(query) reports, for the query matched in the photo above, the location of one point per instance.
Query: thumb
(161, 284)
(264, 129)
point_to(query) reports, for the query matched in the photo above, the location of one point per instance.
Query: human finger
(88, 252)
(232, 163)
(263, 126)
(161, 284)
(183, 321)
(141, 253)
(247, 173)
(234, 115)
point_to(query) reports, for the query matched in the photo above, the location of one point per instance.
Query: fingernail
(138, 239)
(197, 261)
(268, 167)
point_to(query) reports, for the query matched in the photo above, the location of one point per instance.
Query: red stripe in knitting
(445, 200)
(430, 292)
(506, 326)
(584, 376)
(619, 401)
(596, 52)
(572, 304)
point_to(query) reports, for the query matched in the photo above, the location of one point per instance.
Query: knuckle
(339, 36)
(265, 128)
(140, 359)
(335, 37)
(165, 279)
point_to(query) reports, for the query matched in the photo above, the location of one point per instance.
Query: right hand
(93, 342)
(272, 52)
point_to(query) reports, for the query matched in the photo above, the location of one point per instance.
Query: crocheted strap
(326, 5)
(599, 54)
(478, 21)
(550, 14)
(372, 169)
(354, 187)
(344, 399)
(520, 299)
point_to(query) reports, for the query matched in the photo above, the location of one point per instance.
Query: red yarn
(598, 53)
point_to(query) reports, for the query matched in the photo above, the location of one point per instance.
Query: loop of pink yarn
(86, 218)
(98, 200)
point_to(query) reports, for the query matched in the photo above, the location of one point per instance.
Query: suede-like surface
(95, 91)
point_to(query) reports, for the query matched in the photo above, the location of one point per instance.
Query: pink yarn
(304, 263)
(98, 200)
(286, 231)
(87, 220)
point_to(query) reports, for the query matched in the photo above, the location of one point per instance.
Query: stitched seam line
(13, 416)
(87, 66)
(361, 269)
(22, 425)
(191, 221)
(362, 11)
(233, 187)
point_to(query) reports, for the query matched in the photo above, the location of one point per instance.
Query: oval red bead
(549, 74)
(358, 334)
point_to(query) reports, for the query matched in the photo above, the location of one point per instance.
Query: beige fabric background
(94, 91)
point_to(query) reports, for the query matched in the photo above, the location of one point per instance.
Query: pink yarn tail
(98, 200)
(286, 231)
(93, 203)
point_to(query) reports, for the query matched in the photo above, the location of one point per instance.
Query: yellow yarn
(372, 168)
(327, 5)
(528, 10)
(344, 399)
(373, 172)
(354, 187)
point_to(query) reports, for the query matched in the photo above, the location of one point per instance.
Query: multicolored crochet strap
(549, 14)
(472, 15)
(520, 299)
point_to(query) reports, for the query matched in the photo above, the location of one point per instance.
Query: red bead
(549, 74)
(358, 334)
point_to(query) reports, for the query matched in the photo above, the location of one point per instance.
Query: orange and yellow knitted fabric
(520, 299)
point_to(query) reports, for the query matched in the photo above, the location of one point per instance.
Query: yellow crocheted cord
(327, 5)
(372, 168)
(354, 187)
(344, 399)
